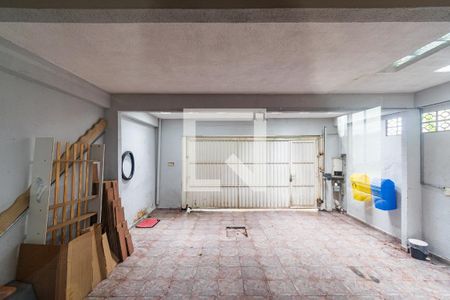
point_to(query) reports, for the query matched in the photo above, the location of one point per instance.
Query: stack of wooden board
(114, 222)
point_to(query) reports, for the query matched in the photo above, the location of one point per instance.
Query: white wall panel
(304, 170)
(140, 138)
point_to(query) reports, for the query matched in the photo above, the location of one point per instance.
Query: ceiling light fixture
(443, 70)
(419, 54)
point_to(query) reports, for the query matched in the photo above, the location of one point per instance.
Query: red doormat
(147, 223)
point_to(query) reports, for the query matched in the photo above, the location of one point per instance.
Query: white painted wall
(171, 151)
(390, 168)
(436, 166)
(29, 110)
(435, 205)
(412, 195)
(138, 193)
(171, 146)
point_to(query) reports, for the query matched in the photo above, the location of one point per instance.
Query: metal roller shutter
(270, 173)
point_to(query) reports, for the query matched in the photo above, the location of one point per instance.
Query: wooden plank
(117, 216)
(78, 160)
(120, 217)
(89, 137)
(122, 243)
(40, 191)
(98, 154)
(115, 223)
(86, 183)
(73, 191)
(110, 261)
(72, 202)
(110, 228)
(80, 188)
(129, 241)
(10, 215)
(56, 190)
(65, 194)
(116, 190)
(114, 234)
(73, 221)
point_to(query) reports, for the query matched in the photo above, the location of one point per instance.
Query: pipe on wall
(158, 163)
(324, 182)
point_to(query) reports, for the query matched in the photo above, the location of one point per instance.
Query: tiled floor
(288, 254)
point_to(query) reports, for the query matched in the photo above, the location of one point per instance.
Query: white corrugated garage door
(251, 173)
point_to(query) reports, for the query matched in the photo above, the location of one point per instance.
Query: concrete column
(411, 225)
(112, 160)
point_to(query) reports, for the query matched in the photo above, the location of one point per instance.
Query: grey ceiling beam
(219, 4)
(274, 102)
(232, 15)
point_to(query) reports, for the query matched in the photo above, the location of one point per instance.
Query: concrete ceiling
(262, 58)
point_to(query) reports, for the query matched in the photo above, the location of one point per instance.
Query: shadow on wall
(392, 218)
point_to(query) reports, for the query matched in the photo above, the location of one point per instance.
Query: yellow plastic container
(361, 187)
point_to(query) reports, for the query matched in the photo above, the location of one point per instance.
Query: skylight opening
(446, 37)
(421, 53)
(428, 47)
(403, 60)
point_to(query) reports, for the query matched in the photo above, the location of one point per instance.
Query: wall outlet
(447, 191)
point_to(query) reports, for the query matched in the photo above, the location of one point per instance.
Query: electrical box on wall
(170, 164)
(337, 167)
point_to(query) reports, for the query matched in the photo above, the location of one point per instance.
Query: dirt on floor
(286, 254)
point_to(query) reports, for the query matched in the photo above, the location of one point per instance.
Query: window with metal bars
(434, 121)
(394, 126)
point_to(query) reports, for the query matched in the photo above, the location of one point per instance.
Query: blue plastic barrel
(383, 194)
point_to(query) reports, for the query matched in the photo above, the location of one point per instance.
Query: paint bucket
(418, 249)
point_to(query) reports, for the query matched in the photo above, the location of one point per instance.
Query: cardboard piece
(38, 265)
(61, 271)
(98, 256)
(110, 261)
(100, 253)
(79, 266)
